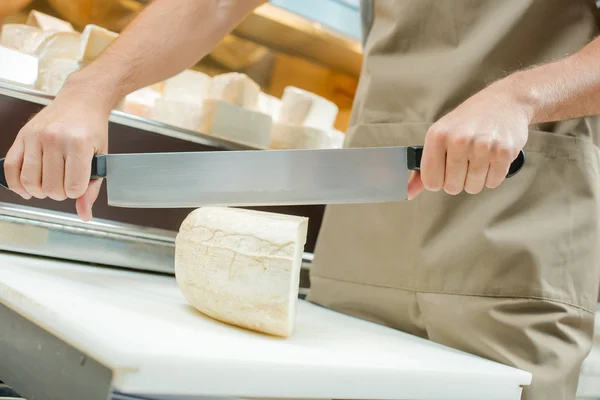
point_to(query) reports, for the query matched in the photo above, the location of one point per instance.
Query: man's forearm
(565, 89)
(166, 38)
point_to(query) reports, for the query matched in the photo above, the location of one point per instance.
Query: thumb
(84, 203)
(415, 185)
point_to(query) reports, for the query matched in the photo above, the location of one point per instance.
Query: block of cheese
(94, 41)
(188, 86)
(242, 267)
(14, 35)
(235, 123)
(235, 88)
(53, 74)
(47, 22)
(269, 105)
(18, 68)
(337, 138)
(140, 103)
(303, 108)
(287, 137)
(178, 113)
(59, 45)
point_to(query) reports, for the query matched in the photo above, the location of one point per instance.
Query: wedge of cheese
(242, 267)
(59, 45)
(94, 41)
(302, 108)
(232, 122)
(288, 137)
(47, 22)
(178, 113)
(141, 102)
(235, 88)
(18, 68)
(188, 86)
(14, 35)
(53, 74)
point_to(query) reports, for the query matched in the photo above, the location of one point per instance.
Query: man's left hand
(473, 146)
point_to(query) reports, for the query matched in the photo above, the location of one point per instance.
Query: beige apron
(511, 273)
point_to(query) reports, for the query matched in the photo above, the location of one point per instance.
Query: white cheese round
(287, 137)
(242, 267)
(235, 88)
(302, 108)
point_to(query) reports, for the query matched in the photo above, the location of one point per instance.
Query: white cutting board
(141, 326)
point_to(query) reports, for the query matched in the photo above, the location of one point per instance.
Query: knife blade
(259, 177)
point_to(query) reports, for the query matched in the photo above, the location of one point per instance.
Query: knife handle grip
(414, 154)
(98, 169)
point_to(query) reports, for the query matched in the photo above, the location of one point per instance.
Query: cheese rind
(242, 267)
(302, 108)
(47, 22)
(235, 88)
(94, 41)
(18, 68)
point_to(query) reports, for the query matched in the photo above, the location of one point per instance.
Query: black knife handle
(414, 154)
(98, 169)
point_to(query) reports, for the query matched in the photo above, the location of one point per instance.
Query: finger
(78, 168)
(457, 164)
(13, 163)
(433, 160)
(31, 172)
(501, 157)
(479, 165)
(415, 185)
(53, 172)
(85, 203)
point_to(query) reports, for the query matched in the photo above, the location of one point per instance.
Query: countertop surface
(141, 327)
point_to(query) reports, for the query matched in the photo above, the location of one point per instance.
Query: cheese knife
(259, 177)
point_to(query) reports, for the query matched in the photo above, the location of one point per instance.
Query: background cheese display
(44, 51)
(242, 267)
(47, 22)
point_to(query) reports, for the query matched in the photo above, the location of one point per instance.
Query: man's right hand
(52, 154)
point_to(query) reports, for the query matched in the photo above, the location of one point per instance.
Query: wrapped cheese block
(94, 41)
(232, 122)
(48, 23)
(287, 137)
(18, 68)
(302, 108)
(235, 88)
(141, 102)
(188, 86)
(53, 74)
(242, 267)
